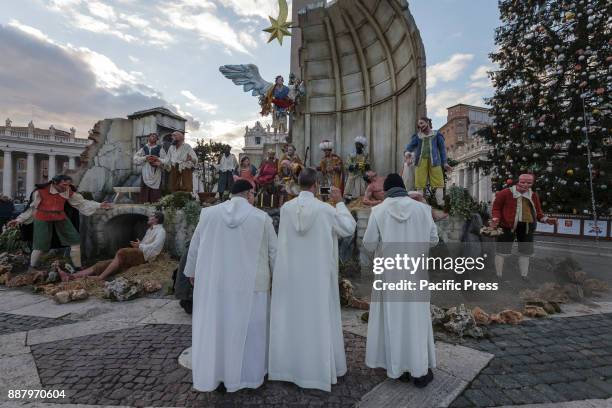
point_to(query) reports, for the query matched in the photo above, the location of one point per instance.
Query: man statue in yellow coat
(331, 166)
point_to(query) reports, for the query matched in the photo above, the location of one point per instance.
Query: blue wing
(248, 76)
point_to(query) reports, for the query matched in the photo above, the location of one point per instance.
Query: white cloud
(34, 32)
(227, 131)
(100, 18)
(247, 39)
(80, 85)
(448, 70)
(207, 26)
(257, 8)
(108, 75)
(480, 77)
(158, 37)
(197, 103)
(101, 10)
(134, 20)
(133, 59)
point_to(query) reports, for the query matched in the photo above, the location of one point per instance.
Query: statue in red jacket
(517, 210)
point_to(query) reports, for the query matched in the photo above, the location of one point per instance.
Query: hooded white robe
(306, 342)
(400, 334)
(230, 255)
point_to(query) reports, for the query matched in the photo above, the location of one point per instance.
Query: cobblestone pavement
(542, 361)
(139, 367)
(10, 323)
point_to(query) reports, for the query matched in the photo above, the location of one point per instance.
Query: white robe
(400, 335)
(306, 342)
(230, 255)
(151, 176)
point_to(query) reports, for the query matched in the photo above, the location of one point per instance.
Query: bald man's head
(525, 182)
(178, 137)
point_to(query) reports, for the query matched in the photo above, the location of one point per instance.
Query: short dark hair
(426, 119)
(393, 180)
(307, 178)
(159, 216)
(60, 177)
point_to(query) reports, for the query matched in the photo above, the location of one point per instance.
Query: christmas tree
(551, 105)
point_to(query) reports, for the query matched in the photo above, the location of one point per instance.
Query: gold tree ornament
(280, 26)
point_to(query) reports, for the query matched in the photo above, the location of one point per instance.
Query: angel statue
(275, 98)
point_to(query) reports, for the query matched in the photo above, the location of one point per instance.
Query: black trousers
(523, 233)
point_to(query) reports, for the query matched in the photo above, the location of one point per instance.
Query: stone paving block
(138, 367)
(12, 323)
(19, 404)
(392, 393)
(15, 299)
(590, 403)
(603, 385)
(132, 311)
(551, 377)
(13, 344)
(461, 402)
(569, 394)
(17, 372)
(352, 323)
(478, 398)
(48, 308)
(496, 395)
(170, 313)
(459, 361)
(569, 361)
(506, 382)
(73, 330)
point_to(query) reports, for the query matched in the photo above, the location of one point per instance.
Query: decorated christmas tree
(551, 105)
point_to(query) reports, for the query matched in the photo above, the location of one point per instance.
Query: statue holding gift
(358, 164)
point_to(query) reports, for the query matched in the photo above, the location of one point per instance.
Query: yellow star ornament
(280, 26)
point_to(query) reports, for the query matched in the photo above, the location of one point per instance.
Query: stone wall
(105, 231)
(112, 164)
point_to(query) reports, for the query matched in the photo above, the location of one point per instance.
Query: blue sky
(72, 62)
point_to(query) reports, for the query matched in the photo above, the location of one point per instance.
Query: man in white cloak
(306, 342)
(230, 257)
(400, 334)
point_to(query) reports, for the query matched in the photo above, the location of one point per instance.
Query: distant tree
(209, 153)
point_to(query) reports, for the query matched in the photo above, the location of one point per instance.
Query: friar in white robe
(400, 335)
(230, 256)
(306, 342)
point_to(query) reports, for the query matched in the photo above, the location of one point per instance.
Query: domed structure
(363, 64)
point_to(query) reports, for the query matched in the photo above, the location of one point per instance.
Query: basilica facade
(32, 155)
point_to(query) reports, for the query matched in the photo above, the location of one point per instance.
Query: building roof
(159, 109)
(469, 106)
(39, 131)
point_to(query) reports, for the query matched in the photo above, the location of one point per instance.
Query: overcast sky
(73, 62)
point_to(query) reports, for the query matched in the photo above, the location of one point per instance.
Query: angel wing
(248, 76)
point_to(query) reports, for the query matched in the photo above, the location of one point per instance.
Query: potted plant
(209, 153)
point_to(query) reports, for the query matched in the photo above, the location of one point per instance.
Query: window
(21, 165)
(44, 169)
(257, 140)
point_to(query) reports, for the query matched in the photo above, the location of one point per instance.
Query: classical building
(258, 140)
(32, 155)
(465, 146)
